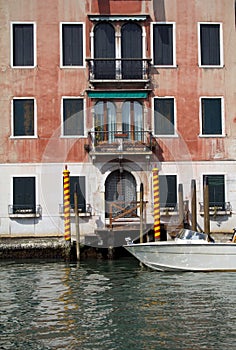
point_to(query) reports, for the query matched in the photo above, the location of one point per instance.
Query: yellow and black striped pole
(156, 195)
(66, 188)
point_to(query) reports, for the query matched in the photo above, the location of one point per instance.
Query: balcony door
(104, 51)
(120, 192)
(131, 51)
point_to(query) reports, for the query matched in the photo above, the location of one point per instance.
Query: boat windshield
(192, 235)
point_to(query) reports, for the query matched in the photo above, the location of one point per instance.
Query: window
(216, 184)
(164, 116)
(120, 117)
(23, 117)
(73, 116)
(72, 45)
(118, 51)
(210, 39)
(211, 116)
(23, 45)
(168, 191)
(77, 183)
(24, 195)
(163, 44)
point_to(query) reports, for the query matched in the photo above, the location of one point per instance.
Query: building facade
(113, 89)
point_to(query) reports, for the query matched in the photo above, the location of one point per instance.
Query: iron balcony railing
(217, 208)
(118, 141)
(82, 210)
(119, 69)
(17, 209)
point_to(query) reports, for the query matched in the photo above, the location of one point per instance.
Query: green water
(114, 305)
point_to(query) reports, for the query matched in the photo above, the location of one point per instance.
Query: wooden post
(77, 223)
(141, 213)
(181, 206)
(193, 205)
(66, 188)
(157, 225)
(206, 206)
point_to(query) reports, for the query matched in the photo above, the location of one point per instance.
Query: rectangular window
(24, 195)
(23, 117)
(210, 44)
(211, 111)
(164, 120)
(216, 185)
(168, 191)
(77, 183)
(72, 45)
(163, 44)
(23, 45)
(73, 117)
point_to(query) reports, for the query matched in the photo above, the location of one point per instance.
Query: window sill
(218, 213)
(23, 137)
(24, 216)
(83, 215)
(211, 136)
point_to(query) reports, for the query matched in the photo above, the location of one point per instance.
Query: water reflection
(114, 305)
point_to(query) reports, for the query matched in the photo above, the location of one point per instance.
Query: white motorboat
(190, 251)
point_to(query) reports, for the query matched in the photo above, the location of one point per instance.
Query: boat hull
(168, 256)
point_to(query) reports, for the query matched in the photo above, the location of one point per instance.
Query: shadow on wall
(159, 10)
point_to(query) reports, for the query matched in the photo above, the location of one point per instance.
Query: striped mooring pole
(156, 194)
(66, 188)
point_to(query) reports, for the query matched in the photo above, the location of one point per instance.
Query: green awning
(117, 17)
(117, 94)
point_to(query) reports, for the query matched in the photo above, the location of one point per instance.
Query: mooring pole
(156, 194)
(181, 206)
(193, 205)
(66, 187)
(141, 213)
(206, 206)
(77, 223)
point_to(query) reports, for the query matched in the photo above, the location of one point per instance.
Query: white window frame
(174, 65)
(35, 118)
(221, 46)
(35, 45)
(175, 134)
(83, 46)
(206, 173)
(36, 190)
(62, 112)
(222, 116)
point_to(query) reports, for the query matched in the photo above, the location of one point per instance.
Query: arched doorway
(120, 192)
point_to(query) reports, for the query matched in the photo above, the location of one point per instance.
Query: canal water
(115, 305)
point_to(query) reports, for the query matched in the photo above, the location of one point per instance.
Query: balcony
(131, 142)
(24, 211)
(123, 70)
(217, 208)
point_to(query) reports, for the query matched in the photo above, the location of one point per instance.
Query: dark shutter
(131, 47)
(23, 117)
(163, 44)
(168, 190)
(211, 116)
(23, 45)
(24, 195)
(210, 44)
(164, 116)
(72, 39)
(73, 117)
(104, 51)
(80, 182)
(216, 190)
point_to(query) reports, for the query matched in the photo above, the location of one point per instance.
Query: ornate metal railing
(118, 141)
(119, 69)
(17, 209)
(217, 208)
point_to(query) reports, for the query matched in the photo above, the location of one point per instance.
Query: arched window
(105, 121)
(104, 51)
(131, 51)
(132, 120)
